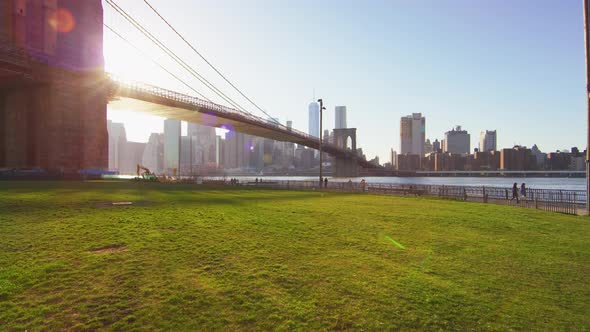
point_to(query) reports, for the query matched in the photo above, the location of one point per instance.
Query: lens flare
(62, 21)
(209, 119)
(230, 131)
(399, 245)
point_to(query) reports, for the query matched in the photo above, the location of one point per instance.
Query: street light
(587, 48)
(322, 108)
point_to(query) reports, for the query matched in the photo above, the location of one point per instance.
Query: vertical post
(587, 49)
(321, 129)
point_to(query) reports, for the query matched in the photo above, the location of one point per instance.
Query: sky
(513, 66)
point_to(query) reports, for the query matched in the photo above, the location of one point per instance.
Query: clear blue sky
(513, 66)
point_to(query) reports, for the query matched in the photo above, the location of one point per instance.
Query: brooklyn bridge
(54, 94)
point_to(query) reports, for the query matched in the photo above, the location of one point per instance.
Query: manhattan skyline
(516, 68)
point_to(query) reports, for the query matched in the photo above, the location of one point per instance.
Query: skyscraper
(340, 112)
(171, 145)
(413, 134)
(487, 140)
(314, 119)
(117, 139)
(457, 141)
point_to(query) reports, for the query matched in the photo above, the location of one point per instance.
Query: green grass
(209, 258)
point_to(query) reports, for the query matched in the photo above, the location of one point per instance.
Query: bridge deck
(172, 105)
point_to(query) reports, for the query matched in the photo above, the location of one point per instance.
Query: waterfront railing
(554, 200)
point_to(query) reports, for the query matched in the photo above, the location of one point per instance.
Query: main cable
(173, 55)
(207, 61)
(155, 62)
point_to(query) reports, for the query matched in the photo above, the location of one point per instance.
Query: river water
(532, 183)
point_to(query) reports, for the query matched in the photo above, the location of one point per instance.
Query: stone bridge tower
(52, 100)
(345, 167)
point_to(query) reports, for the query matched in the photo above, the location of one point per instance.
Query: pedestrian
(363, 184)
(523, 190)
(514, 192)
(256, 180)
(325, 182)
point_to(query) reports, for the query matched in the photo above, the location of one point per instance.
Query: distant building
(408, 162)
(153, 154)
(304, 158)
(436, 146)
(375, 161)
(132, 155)
(449, 162)
(577, 163)
(519, 158)
(393, 158)
(412, 134)
(428, 147)
(340, 112)
(539, 157)
(457, 141)
(558, 161)
(171, 145)
(487, 140)
(117, 140)
(314, 119)
(486, 161)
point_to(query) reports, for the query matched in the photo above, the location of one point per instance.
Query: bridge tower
(345, 167)
(52, 100)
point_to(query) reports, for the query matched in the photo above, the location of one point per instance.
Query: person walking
(325, 182)
(514, 192)
(523, 190)
(363, 184)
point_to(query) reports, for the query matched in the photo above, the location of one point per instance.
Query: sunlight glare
(62, 21)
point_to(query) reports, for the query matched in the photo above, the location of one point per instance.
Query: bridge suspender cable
(155, 62)
(170, 53)
(206, 61)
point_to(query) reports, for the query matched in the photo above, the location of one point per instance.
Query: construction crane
(144, 173)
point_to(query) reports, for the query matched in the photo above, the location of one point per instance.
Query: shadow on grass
(22, 197)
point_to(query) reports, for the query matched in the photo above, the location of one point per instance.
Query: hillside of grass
(224, 258)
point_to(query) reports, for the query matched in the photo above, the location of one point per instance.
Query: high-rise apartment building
(457, 141)
(340, 113)
(314, 119)
(487, 141)
(412, 134)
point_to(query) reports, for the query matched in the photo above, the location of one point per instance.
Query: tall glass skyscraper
(314, 119)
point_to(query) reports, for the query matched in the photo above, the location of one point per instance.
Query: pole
(321, 123)
(587, 49)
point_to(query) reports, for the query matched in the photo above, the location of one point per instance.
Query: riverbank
(186, 257)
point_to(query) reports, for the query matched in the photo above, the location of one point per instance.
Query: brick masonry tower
(52, 97)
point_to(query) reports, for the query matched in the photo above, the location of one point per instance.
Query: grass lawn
(212, 258)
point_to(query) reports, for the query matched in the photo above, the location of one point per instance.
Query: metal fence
(562, 201)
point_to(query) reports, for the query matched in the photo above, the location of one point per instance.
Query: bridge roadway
(149, 99)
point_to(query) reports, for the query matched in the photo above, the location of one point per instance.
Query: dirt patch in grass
(120, 204)
(108, 249)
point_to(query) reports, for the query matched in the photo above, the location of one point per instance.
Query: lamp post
(587, 48)
(322, 108)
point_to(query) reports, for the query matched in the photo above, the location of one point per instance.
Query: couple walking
(515, 191)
